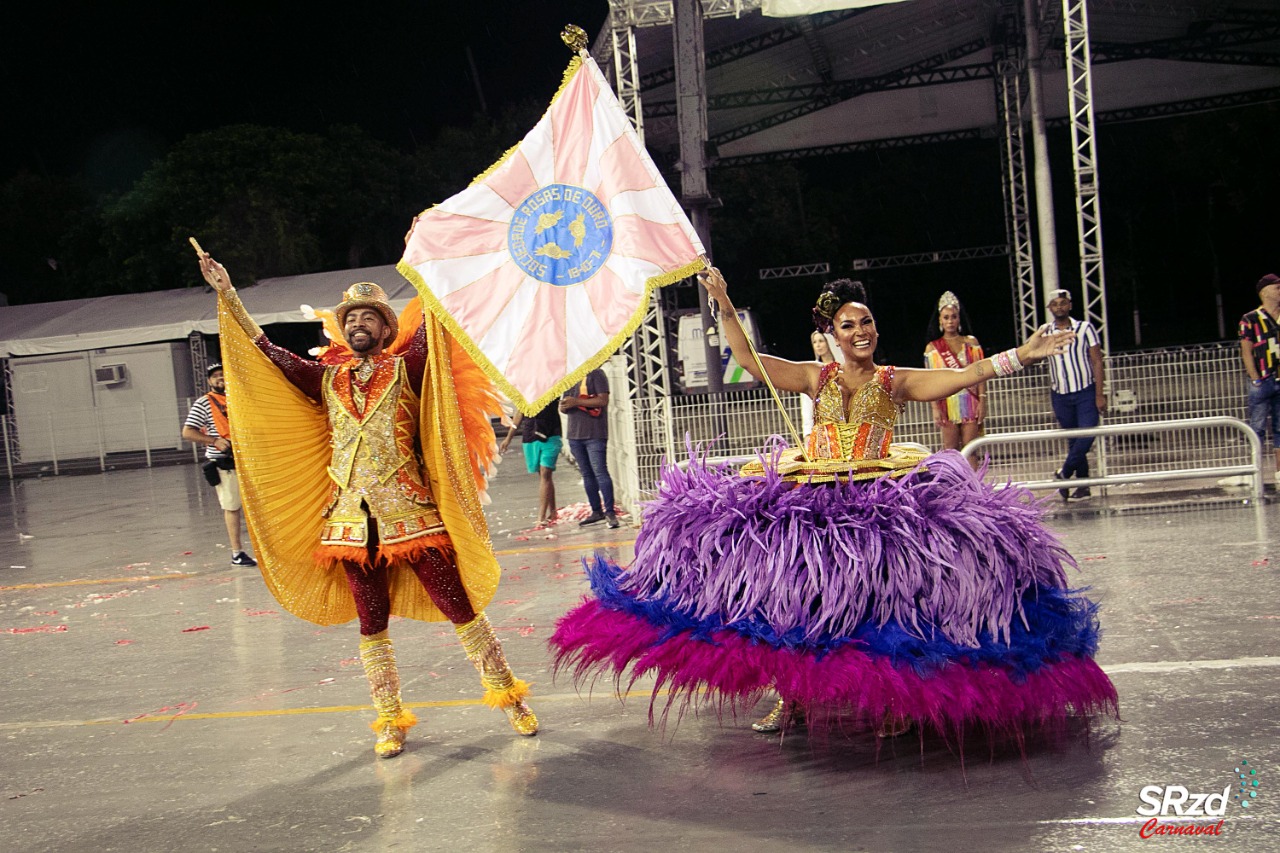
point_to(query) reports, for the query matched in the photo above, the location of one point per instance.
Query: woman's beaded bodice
(864, 430)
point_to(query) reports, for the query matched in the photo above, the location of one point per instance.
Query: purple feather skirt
(935, 596)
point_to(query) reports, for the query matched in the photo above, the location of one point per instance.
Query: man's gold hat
(366, 294)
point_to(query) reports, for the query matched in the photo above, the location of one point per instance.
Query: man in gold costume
(397, 506)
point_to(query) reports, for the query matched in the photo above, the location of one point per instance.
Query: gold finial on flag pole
(575, 37)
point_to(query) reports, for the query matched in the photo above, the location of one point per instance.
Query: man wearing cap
(1260, 352)
(207, 424)
(381, 513)
(1076, 380)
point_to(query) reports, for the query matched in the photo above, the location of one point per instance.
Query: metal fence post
(102, 446)
(146, 434)
(8, 450)
(53, 444)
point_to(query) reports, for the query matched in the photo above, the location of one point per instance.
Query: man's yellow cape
(281, 441)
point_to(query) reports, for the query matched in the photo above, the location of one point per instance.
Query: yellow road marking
(286, 712)
(91, 581)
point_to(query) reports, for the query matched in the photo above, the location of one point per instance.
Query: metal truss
(1127, 52)
(646, 354)
(1011, 70)
(658, 13)
(649, 389)
(1207, 47)
(1084, 157)
(1194, 105)
(853, 147)
(916, 259)
(1215, 57)
(1166, 8)
(10, 447)
(1248, 16)
(626, 77)
(1197, 105)
(840, 90)
(6, 376)
(199, 361)
(645, 351)
(820, 96)
(795, 271)
(757, 44)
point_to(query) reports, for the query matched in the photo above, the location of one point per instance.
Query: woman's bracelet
(1006, 363)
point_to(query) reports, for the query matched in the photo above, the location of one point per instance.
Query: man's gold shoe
(522, 718)
(391, 737)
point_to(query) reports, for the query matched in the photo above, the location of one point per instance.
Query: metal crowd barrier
(1189, 384)
(1252, 469)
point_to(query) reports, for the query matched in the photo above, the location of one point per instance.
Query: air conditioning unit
(109, 374)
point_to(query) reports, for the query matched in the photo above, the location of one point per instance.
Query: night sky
(104, 88)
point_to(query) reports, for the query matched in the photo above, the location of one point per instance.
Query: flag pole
(791, 427)
(764, 374)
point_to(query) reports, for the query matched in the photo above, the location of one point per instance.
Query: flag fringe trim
(462, 339)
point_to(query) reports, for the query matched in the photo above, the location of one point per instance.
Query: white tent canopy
(138, 318)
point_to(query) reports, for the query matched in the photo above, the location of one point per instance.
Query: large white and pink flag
(544, 266)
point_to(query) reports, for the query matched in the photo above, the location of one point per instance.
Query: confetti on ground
(180, 709)
(124, 642)
(196, 628)
(38, 629)
(1091, 559)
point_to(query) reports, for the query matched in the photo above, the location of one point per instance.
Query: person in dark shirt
(588, 434)
(1260, 352)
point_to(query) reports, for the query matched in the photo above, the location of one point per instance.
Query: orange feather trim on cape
(407, 552)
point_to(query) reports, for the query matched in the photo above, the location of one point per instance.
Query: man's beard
(362, 346)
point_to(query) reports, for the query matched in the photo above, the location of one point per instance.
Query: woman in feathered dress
(862, 581)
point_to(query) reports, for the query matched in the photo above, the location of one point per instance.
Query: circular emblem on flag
(560, 234)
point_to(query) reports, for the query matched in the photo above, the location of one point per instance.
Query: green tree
(266, 201)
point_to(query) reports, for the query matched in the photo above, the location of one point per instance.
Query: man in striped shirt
(202, 427)
(1260, 351)
(1076, 380)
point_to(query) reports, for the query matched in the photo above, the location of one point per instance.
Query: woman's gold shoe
(893, 725)
(780, 716)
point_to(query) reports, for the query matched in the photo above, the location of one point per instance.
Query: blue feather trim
(1056, 624)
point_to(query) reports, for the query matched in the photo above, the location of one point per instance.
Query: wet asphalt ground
(158, 699)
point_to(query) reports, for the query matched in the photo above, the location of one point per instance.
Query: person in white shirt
(1076, 380)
